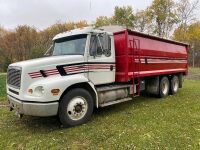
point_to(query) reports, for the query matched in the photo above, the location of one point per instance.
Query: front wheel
(76, 107)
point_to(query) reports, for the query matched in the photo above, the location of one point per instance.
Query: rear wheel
(174, 85)
(164, 87)
(76, 107)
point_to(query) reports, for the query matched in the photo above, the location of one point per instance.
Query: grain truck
(91, 67)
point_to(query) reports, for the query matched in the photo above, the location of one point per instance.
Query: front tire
(164, 87)
(76, 107)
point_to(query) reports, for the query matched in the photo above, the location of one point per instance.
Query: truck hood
(49, 61)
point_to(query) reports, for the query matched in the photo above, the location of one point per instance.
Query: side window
(107, 45)
(100, 45)
(95, 46)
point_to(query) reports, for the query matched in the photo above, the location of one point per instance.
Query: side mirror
(93, 53)
(99, 51)
(106, 42)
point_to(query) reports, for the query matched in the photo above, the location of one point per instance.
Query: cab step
(115, 102)
(113, 87)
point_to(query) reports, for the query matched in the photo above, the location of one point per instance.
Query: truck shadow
(121, 107)
(48, 124)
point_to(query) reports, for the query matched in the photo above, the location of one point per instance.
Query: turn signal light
(55, 92)
(30, 91)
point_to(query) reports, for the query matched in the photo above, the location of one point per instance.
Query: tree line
(165, 18)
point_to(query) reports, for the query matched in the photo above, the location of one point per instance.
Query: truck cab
(78, 61)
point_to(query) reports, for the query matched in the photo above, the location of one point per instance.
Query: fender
(95, 91)
(59, 82)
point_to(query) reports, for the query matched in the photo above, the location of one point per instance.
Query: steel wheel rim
(77, 108)
(175, 85)
(164, 87)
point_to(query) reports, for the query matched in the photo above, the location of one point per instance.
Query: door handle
(111, 67)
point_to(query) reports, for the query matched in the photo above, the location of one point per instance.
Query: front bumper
(33, 108)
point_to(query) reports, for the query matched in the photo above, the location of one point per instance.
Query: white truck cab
(64, 83)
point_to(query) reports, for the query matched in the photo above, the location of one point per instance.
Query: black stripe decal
(64, 73)
(149, 57)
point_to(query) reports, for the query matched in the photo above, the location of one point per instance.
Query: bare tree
(186, 11)
(142, 22)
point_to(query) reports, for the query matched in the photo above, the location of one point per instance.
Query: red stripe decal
(72, 69)
(51, 73)
(52, 70)
(34, 72)
(38, 73)
(36, 76)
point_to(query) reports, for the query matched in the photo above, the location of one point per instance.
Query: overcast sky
(43, 13)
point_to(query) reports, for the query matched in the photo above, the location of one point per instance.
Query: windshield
(72, 45)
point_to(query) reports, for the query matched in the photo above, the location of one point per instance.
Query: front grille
(14, 77)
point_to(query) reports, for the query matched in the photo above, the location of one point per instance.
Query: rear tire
(174, 85)
(164, 87)
(76, 107)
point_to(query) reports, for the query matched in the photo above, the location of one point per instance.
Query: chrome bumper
(33, 108)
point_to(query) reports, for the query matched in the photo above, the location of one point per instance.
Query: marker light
(30, 91)
(55, 91)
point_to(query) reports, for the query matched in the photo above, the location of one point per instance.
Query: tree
(2, 31)
(124, 16)
(26, 40)
(142, 22)
(103, 21)
(163, 17)
(8, 45)
(186, 12)
(191, 36)
(47, 35)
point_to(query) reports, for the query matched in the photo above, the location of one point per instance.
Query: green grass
(194, 74)
(2, 87)
(145, 123)
(194, 70)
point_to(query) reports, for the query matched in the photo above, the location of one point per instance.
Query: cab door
(101, 59)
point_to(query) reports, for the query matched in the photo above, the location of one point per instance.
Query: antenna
(90, 12)
(90, 5)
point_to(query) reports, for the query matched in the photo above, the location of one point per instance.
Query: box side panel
(143, 56)
(156, 57)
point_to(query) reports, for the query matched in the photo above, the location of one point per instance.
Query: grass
(194, 73)
(145, 123)
(2, 87)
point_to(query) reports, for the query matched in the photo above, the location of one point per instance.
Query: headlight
(38, 91)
